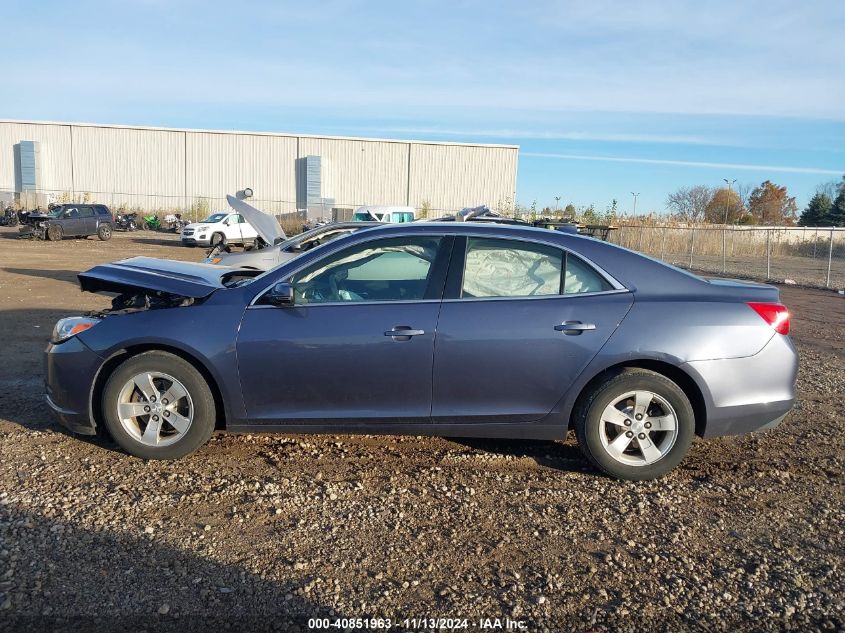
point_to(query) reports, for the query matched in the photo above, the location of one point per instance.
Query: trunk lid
(745, 290)
(183, 279)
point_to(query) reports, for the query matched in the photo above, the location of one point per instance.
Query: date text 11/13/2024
(418, 623)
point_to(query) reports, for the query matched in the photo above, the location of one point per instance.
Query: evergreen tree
(836, 216)
(817, 211)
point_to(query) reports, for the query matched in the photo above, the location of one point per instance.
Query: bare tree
(830, 188)
(744, 191)
(687, 204)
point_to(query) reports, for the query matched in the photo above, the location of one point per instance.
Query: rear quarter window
(580, 277)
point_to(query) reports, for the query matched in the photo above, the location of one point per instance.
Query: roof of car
(350, 225)
(631, 269)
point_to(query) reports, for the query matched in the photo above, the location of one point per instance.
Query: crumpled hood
(264, 224)
(184, 279)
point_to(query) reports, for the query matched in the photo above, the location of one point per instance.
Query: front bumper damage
(70, 370)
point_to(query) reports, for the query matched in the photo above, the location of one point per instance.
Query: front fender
(204, 334)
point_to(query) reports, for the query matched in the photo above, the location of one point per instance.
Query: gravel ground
(264, 532)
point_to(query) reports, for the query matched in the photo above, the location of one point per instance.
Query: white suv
(219, 228)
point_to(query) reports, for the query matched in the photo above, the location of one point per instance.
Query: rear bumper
(748, 394)
(70, 370)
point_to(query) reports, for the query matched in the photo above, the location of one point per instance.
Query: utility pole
(728, 198)
(636, 195)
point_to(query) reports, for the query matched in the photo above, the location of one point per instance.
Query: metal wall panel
(218, 164)
(451, 177)
(165, 169)
(54, 146)
(131, 167)
(357, 172)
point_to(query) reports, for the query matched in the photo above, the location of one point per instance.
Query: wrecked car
(284, 251)
(70, 220)
(244, 225)
(473, 330)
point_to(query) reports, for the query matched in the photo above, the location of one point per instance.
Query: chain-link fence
(192, 208)
(810, 256)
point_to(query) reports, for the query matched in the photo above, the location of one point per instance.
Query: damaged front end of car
(146, 283)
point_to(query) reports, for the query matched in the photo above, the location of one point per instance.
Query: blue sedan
(452, 329)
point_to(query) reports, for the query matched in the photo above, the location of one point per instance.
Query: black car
(70, 220)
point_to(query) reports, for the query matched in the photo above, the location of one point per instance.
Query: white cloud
(690, 163)
(505, 133)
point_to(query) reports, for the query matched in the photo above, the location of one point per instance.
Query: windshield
(56, 212)
(363, 216)
(214, 218)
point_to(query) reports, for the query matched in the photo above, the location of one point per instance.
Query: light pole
(636, 195)
(557, 203)
(728, 197)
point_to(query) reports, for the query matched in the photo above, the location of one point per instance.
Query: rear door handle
(573, 328)
(403, 333)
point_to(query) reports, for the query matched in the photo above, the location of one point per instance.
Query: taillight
(775, 314)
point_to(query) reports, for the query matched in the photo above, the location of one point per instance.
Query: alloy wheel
(638, 428)
(155, 408)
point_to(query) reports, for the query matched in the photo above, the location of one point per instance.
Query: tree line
(765, 204)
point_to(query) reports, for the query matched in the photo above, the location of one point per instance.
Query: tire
(145, 225)
(217, 238)
(130, 426)
(55, 232)
(104, 232)
(601, 440)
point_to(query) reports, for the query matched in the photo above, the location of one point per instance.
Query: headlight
(71, 326)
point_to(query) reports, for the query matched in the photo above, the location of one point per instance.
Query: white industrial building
(171, 169)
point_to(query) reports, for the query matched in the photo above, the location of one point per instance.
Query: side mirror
(281, 294)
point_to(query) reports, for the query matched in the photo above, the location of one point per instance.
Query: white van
(390, 215)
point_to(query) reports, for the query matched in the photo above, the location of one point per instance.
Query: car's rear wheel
(55, 232)
(217, 238)
(635, 425)
(158, 406)
(104, 232)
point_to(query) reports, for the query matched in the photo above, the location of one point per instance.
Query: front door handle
(403, 333)
(573, 328)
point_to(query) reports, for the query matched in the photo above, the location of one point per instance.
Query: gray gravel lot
(262, 532)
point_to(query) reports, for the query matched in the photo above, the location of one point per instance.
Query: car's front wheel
(635, 424)
(55, 232)
(158, 406)
(217, 238)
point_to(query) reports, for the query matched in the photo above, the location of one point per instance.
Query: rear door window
(510, 268)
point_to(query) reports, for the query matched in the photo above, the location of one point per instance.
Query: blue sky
(604, 98)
